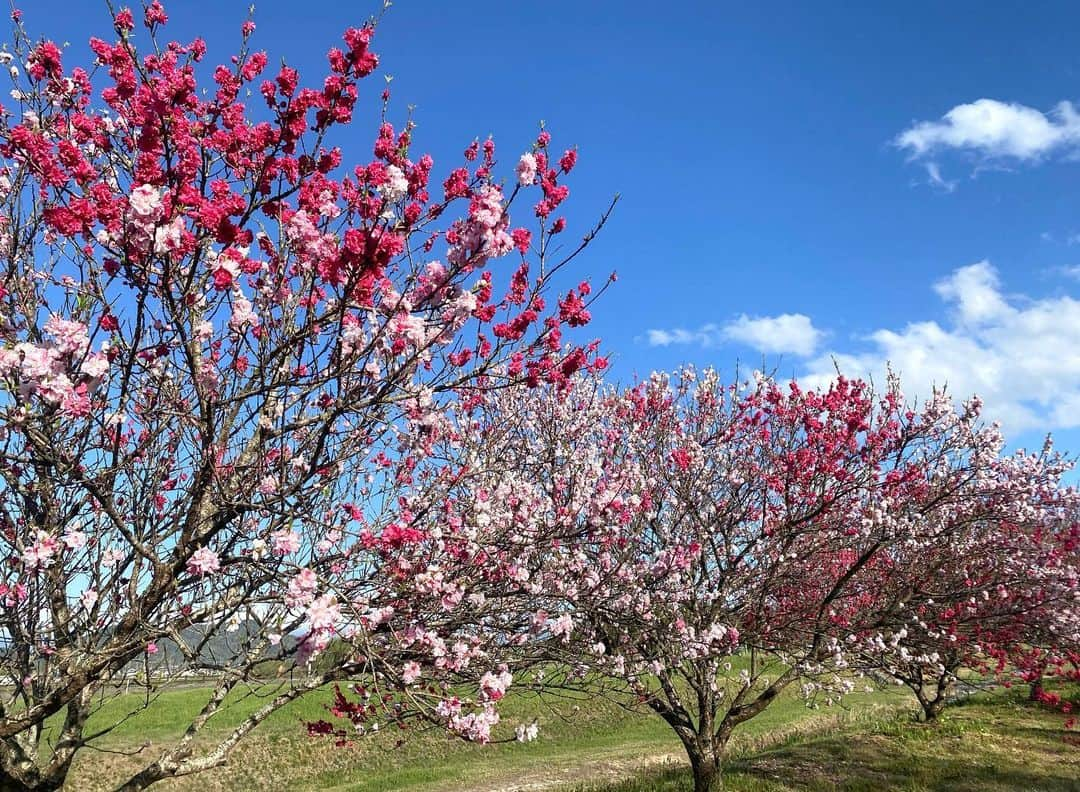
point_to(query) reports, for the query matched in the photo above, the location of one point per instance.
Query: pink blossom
(396, 185)
(242, 315)
(301, 588)
(95, 366)
(311, 645)
(112, 556)
(493, 685)
(40, 554)
(410, 672)
(39, 363)
(476, 726)
(168, 238)
(74, 402)
(448, 708)
(74, 539)
(70, 337)
(562, 627)
(285, 541)
(323, 612)
(203, 561)
(526, 732)
(145, 202)
(526, 169)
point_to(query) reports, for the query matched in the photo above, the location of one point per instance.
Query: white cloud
(933, 172)
(705, 336)
(1022, 356)
(995, 130)
(791, 334)
(975, 291)
(787, 333)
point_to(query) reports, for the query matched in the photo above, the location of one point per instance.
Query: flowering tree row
(282, 422)
(224, 352)
(707, 545)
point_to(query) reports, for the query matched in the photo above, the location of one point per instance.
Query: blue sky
(769, 212)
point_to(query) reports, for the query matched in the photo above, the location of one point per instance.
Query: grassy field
(994, 744)
(610, 741)
(997, 743)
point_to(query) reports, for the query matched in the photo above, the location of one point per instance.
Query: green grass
(987, 743)
(871, 744)
(279, 752)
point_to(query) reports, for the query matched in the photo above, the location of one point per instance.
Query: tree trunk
(932, 707)
(707, 775)
(144, 778)
(20, 772)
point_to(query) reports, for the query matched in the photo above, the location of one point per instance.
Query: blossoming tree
(224, 361)
(713, 544)
(987, 581)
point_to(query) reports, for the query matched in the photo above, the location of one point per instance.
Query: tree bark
(932, 707)
(706, 768)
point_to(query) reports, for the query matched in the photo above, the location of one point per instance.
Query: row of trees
(698, 547)
(284, 423)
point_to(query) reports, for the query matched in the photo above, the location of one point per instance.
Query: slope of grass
(987, 743)
(280, 755)
(992, 742)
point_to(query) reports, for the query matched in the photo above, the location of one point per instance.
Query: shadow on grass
(972, 749)
(874, 762)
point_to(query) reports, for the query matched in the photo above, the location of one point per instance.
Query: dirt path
(622, 762)
(608, 766)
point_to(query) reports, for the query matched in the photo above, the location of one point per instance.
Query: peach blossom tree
(228, 360)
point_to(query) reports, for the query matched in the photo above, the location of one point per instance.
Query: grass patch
(611, 741)
(992, 742)
(987, 743)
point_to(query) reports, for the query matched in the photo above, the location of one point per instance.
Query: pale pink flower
(323, 612)
(112, 556)
(451, 598)
(311, 645)
(95, 366)
(526, 169)
(9, 360)
(448, 708)
(74, 402)
(396, 185)
(301, 588)
(285, 541)
(71, 337)
(494, 685)
(562, 627)
(258, 549)
(39, 363)
(40, 554)
(145, 203)
(167, 238)
(242, 314)
(476, 726)
(410, 672)
(74, 539)
(527, 732)
(203, 561)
